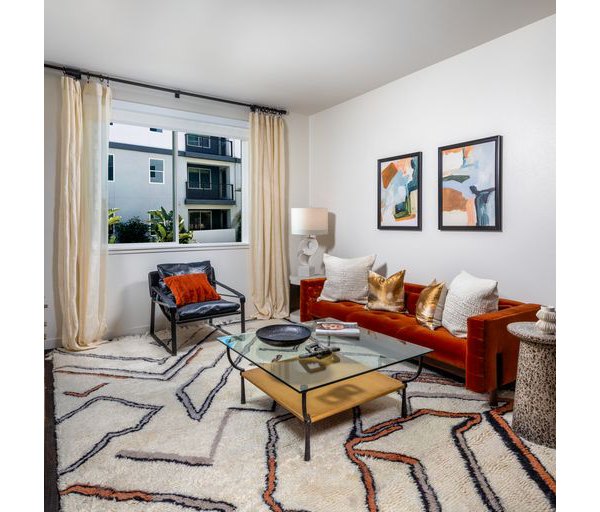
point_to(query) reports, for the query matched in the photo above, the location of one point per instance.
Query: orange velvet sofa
(486, 359)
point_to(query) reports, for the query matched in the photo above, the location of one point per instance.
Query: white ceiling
(303, 55)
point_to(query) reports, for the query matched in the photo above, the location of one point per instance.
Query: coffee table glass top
(369, 352)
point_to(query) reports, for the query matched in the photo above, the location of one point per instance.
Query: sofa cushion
(468, 296)
(338, 310)
(347, 278)
(384, 322)
(447, 348)
(191, 288)
(430, 305)
(196, 267)
(411, 297)
(386, 294)
(213, 307)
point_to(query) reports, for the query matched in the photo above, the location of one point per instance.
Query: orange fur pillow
(191, 288)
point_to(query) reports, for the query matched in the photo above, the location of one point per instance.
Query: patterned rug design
(138, 429)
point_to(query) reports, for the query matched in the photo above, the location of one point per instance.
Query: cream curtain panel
(268, 237)
(82, 212)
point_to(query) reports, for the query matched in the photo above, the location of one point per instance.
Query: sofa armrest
(310, 290)
(492, 352)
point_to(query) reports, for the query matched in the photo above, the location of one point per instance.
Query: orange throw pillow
(191, 288)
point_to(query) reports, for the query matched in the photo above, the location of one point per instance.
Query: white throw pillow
(347, 279)
(468, 296)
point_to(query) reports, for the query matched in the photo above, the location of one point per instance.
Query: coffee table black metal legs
(241, 370)
(305, 415)
(326, 400)
(307, 425)
(404, 411)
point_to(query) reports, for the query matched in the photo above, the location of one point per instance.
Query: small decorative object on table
(283, 335)
(319, 351)
(345, 329)
(534, 414)
(547, 319)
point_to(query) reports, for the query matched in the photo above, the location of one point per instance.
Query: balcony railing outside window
(208, 145)
(222, 192)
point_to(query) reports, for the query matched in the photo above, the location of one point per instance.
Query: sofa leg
(499, 375)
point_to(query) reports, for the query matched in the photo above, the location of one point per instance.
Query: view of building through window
(207, 186)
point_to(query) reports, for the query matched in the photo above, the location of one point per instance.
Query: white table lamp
(309, 222)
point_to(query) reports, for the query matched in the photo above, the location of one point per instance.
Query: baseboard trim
(52, 343)
(134, 331)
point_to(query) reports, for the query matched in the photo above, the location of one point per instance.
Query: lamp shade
(309, 221)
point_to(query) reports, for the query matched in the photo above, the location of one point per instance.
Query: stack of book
(337, 328)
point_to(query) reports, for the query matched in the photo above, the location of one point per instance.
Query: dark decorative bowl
(283, 335)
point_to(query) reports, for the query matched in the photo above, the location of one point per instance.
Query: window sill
(116, 249)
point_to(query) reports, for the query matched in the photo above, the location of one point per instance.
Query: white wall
(505, 87)
(297, 184)
(52, 102)
(128, 299)
(128, 302)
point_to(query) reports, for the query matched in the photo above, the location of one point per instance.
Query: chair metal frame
(169, 308)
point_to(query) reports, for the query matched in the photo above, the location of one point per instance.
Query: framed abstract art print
(399, 192)
(469, 185)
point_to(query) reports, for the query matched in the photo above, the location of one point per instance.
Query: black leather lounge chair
(161, 295)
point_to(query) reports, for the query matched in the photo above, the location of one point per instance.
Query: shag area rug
(138, 429)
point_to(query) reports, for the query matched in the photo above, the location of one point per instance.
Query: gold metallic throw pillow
(430, 305)
(386, 294)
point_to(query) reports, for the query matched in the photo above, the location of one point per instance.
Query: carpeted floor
(138, 429)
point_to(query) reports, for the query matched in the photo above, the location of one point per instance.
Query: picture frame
(399, 192)
(470, 185)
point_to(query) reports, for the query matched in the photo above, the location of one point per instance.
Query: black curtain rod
(78, 73)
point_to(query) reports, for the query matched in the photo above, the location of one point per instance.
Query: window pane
(208, 188)
(193, 178)
(145, 160)
(156, 170)
(111, 168)
(214, 185)
(205, 179)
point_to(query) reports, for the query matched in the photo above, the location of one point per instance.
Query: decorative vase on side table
(309, 222)
(534, 414)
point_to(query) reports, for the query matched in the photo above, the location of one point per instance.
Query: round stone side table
(534, 413)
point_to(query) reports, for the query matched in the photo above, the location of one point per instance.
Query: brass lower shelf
(327, 400)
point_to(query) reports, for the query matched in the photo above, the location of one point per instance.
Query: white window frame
(201, 211)
(142, 114)
(113, 160)
(201, 146)
(150, 171)
(199, 171)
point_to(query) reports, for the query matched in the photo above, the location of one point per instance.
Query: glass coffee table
(313, 388)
